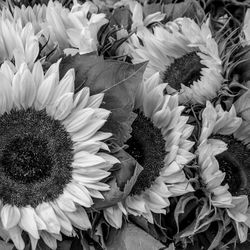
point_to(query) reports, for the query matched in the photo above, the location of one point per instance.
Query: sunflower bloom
(189, 61)
(160, 144)
(219, 148)
(50, 160)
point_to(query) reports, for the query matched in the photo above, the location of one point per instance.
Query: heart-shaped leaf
(118, 80)
(81, 64)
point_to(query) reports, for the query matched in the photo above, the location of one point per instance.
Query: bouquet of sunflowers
(124, 125)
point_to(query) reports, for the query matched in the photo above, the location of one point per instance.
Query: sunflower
(219, 153)
(59, 28)
(186, 56)
(18, 43)
(52, 154)
(160, 144)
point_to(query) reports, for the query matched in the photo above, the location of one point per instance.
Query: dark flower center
(35, 158)
(27, 159)
(184, 70)
(233, 162)
(147, 146)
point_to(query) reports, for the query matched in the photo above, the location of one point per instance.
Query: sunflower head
(189, 62)
(53, 157)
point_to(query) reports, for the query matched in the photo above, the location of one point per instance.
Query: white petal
(24, 89)
(49, 239)
(45, 92)
(65, 204)
(95, 100)
(79, 218)
(66, 85)
(27, 221)
(6, 99)
(33, 242)
(64, 221)
(37, 73)
(63, 107)
(88, 130)
(15, 235)
(113, 215)
(10, 216)
(80, 120)
(47, 214)
(80, 193)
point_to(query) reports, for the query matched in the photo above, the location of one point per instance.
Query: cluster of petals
(55, 26)
(17, 42)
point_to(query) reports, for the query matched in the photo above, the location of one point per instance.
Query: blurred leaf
(5, 246)
(64, 245)
(3, 234)
(118, 80)
(122, 181)
(82, 64)
(121, 17)
(151, 8)
(131, 237)
(188, 8)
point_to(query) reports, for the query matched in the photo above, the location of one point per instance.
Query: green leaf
(188, 8)
(121, 17)
(118, 80)
(82, 64)
(3, 234)
(151, 8)
(132, 237)
(122, 182)
(218, 238)
(183, 207)
(204, 213)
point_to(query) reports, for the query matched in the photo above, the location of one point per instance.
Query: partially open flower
(221, 158)
(50, 160)
(160, 144)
